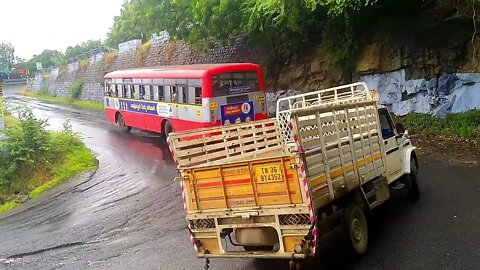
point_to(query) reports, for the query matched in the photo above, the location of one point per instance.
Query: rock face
(449, 93)
(272, 98)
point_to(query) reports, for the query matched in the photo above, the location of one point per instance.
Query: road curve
(129, 214)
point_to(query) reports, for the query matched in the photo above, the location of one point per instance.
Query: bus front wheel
(122, 125)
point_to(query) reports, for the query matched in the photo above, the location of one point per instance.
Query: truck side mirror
(400, 128)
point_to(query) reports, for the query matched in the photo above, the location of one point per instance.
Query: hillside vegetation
(287, 29)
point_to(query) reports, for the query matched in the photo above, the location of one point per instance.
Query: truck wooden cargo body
(272, 188)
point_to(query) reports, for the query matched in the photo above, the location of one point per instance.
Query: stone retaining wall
(404, 87)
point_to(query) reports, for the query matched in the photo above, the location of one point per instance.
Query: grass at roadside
(455, 138)
(91, 105)
(8, 206)
(10, 120)
(462, 125)
(33, 160)
(79, 159)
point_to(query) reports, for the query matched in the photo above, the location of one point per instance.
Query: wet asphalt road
(129, 215)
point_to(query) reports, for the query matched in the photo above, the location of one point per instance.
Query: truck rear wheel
(356, 228)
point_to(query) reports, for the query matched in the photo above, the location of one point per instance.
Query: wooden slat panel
(330, 138)
(329, 128)
(210, 144)
(316, 169)
(309, 133)
(307, 122)
(311, 143)
(326, 117)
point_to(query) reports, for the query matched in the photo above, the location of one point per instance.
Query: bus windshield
(235, 83)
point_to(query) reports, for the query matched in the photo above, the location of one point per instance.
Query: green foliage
(281, 27)
(7, 57)
(81, 48)
(7, 206)
(85, 104)
(30, 152)
(142, 52)
(340, 41)
(139, 19)
(462, 125)
(338, 7)
(26, 147)
(48, 58)
(75, 89)
(77, 160)
(43, 90)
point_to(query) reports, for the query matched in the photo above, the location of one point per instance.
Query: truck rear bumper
(257, 255)
(281, 232)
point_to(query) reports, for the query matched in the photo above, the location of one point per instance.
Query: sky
(32, 26)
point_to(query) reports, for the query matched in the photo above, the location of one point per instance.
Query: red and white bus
(176, 98)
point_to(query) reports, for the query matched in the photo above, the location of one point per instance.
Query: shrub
(27, 146)
(110, 57)
(142, 52)
(83, 64)
(75, 89)
(33, 159)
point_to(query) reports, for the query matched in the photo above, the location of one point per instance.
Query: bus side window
(136, 91)
(174, 94)
(132, 91)
(198, 95)
(185, 97)
(107, 89)
(161, 93)
(128, 92)
(147, 92)
(124, 90)
(194, 95)
(166, 93)
(155, 92)
(141, 92)
(116, 90)
(170, 93)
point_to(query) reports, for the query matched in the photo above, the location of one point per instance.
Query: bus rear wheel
(121, 124)
(167, 129)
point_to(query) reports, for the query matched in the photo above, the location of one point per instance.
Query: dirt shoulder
(448, 149)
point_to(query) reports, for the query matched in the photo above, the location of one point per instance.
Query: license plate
(268, 174)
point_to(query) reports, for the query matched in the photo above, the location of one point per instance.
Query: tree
(84, 47)
(281, 27)
(48, 58)
(139, 19)
(7, 56)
